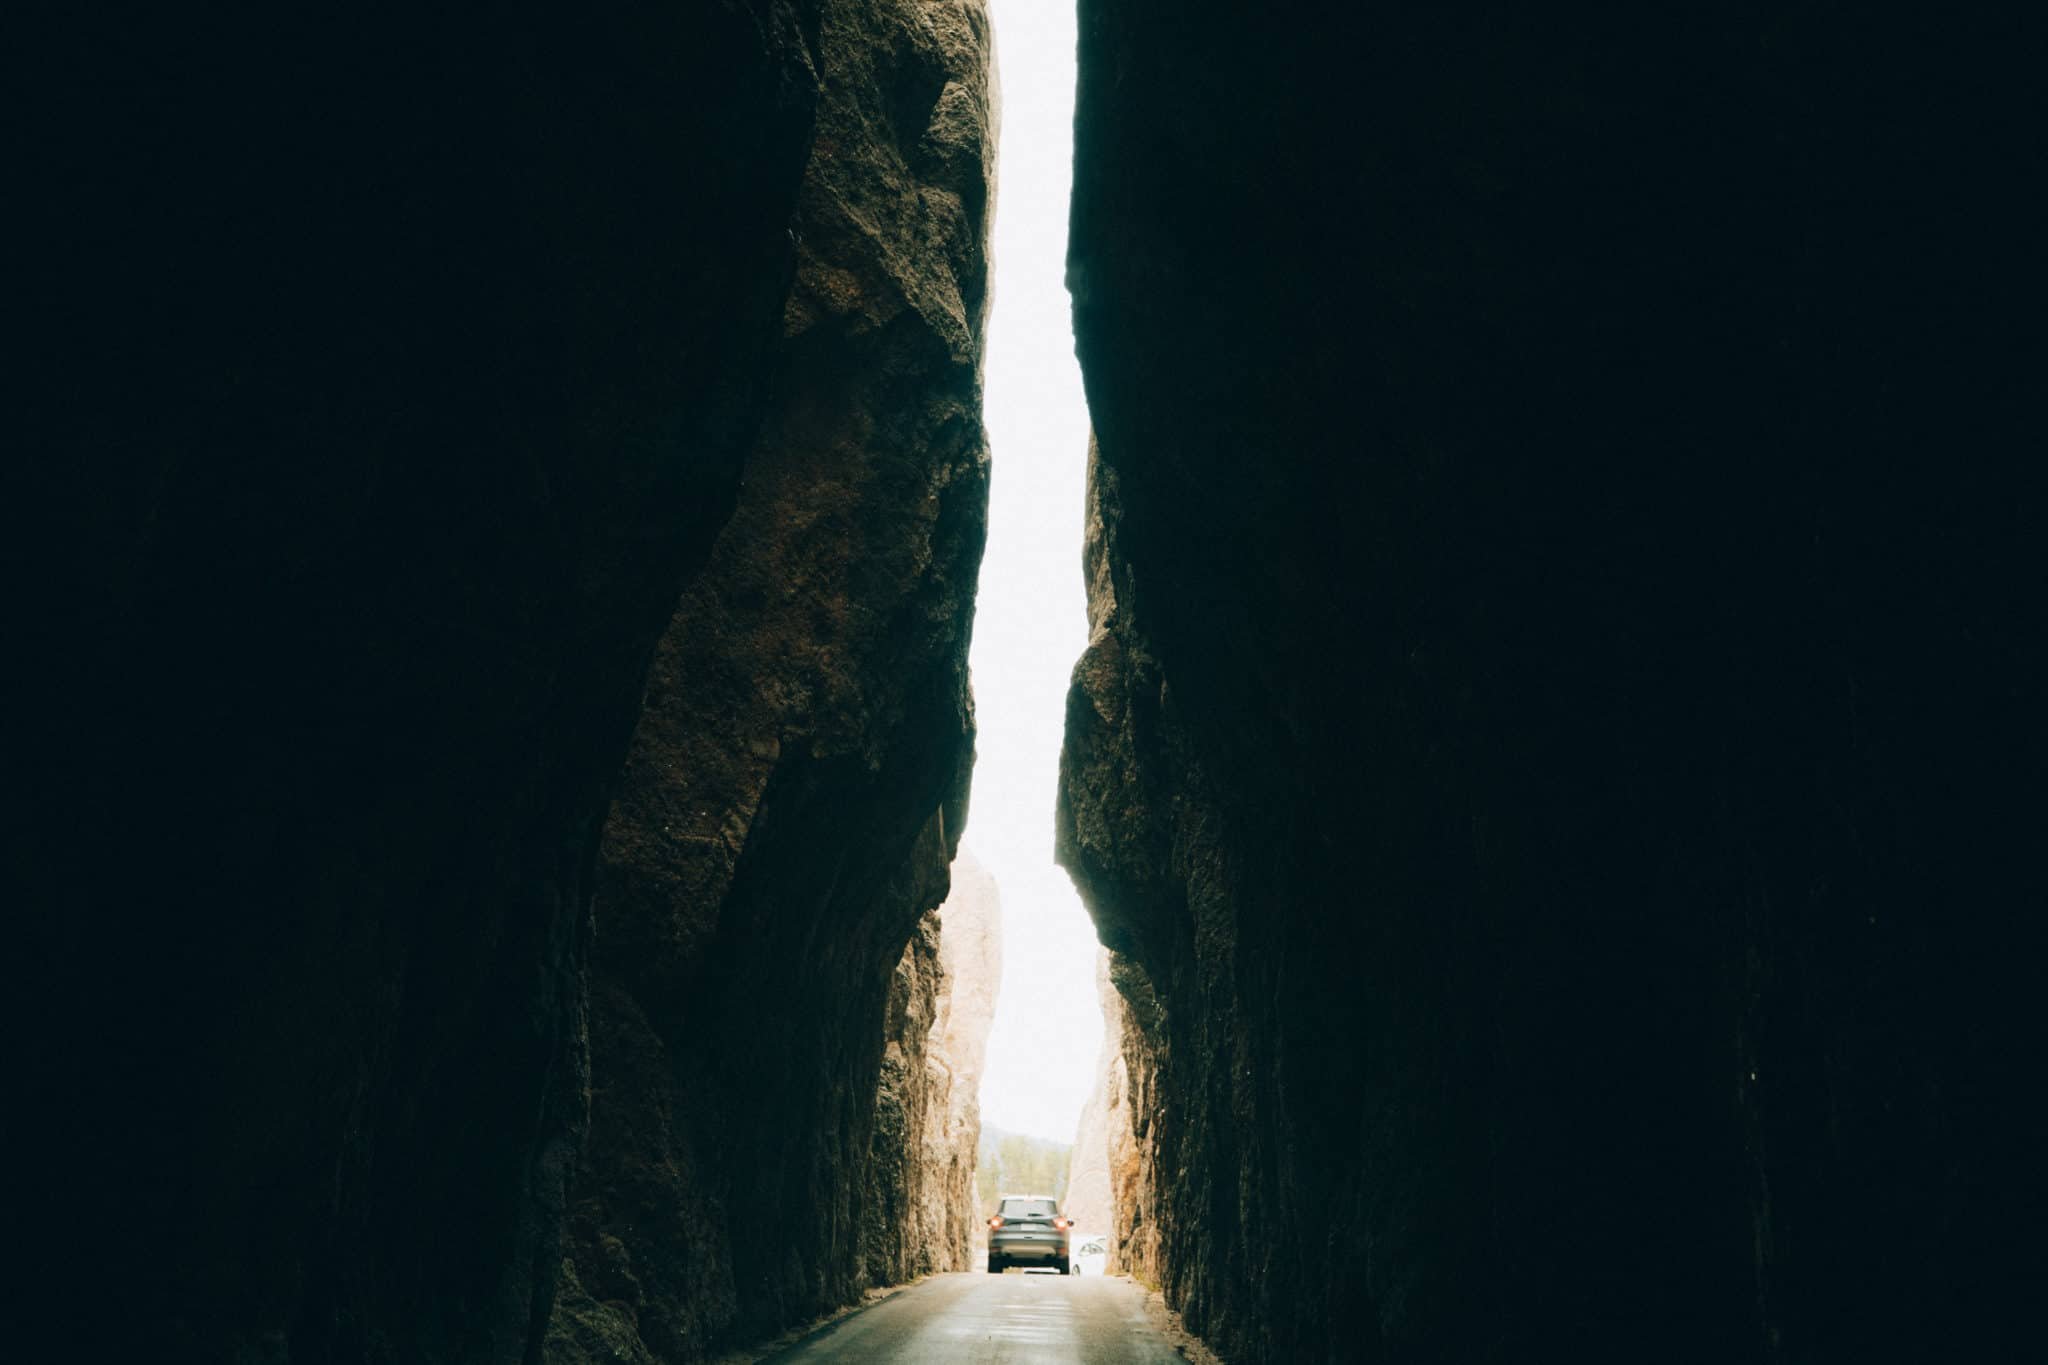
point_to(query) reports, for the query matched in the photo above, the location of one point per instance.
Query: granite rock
(797, 786)
(1559, 749)
(390, 376)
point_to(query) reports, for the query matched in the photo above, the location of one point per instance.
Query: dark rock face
(798, 783)
(1559, 749)
(389, 380)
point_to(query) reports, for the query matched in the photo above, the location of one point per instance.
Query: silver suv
(1029, 1230)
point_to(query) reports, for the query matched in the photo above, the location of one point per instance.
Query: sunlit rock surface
(1127, 1129)
(1089, 1200)
(927, 1104)
(902, 1190)
(971, 951)
(1112, 1182)
(798, 783)
(382, 379)
(1560, 752)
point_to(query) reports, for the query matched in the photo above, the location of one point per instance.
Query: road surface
(1013, 1319)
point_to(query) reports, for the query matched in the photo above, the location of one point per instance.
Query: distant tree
(1017, 1163)
(986, 1181)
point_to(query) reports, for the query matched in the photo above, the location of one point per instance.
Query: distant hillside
(1017, 1163)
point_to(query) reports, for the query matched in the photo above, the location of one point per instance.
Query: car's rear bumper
(1027, 1248)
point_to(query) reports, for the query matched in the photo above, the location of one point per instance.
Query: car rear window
(1027, 1208)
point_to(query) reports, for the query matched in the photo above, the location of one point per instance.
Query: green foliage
(1017, 1163)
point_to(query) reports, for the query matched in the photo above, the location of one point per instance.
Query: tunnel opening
(1044, 1049)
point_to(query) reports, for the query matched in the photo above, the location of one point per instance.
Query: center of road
(1014, 1319)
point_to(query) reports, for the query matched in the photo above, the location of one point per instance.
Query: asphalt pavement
(1012, 1319)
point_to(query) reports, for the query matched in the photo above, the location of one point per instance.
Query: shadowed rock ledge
(798, 783)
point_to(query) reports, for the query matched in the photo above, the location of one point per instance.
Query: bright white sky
(1030, 621)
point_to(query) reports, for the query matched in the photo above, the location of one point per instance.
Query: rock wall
(1113, 1185)
(385, 382)
(1090, 1200)
(1113, 1181)
(920, 1200)
(901, 1188)
(1560, 738)
(798, 783)
(971, 951)
(1133, 1140)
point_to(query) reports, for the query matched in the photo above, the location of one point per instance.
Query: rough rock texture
(1561, 746)
(971, 951)
(899, 1184)
(1090, 1199)
(920, 1199)
(1112, 1181)
(382, 383)
(1132, 1138)
(798, 783)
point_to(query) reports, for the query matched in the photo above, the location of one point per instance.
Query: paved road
(1013, 1319)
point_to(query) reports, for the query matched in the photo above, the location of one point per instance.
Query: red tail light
(996, 1221)
(1062, 1224)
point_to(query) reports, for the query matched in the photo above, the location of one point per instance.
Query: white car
(1091, 1252)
